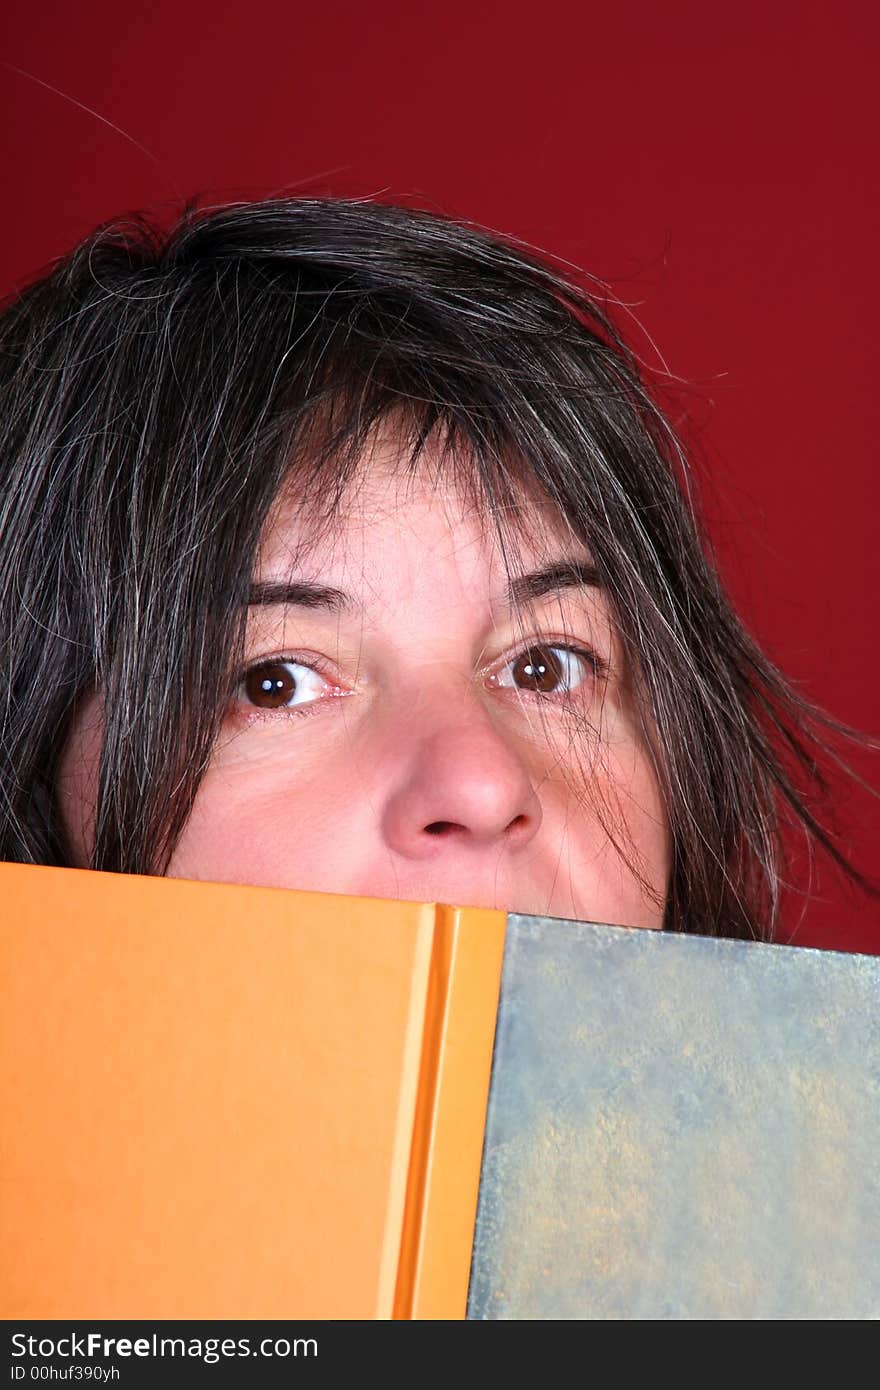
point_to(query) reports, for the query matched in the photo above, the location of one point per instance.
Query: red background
(717, 165)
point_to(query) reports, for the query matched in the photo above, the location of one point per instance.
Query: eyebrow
(567, 574)
(301, 594)
(524, 588)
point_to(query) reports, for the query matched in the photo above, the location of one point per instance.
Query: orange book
(226, 1102)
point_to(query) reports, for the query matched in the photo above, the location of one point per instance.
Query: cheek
(604, 809)
(643, 850)
(265, 818)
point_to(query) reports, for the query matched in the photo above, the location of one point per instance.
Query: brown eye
(547, 670)
(539, 668)
(281, 685)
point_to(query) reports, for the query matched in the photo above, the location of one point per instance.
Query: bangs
(442, 444)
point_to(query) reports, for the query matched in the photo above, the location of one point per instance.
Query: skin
(416, 759)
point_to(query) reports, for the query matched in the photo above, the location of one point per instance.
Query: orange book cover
(225, 1102)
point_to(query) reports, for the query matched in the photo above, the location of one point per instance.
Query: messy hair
(158, 391)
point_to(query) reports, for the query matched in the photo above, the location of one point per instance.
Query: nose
(462, 785)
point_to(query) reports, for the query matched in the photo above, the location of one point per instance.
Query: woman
(343, 549)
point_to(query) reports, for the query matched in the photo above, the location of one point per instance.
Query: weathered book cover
(679, 1127)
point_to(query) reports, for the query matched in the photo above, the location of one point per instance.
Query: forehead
(413, 527)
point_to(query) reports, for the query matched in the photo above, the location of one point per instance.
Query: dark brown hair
(157, 392)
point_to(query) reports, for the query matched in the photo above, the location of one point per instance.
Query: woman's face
(418, 721)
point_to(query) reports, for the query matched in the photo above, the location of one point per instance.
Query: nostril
(446, 827)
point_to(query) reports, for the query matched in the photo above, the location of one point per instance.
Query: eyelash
(597, 669)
